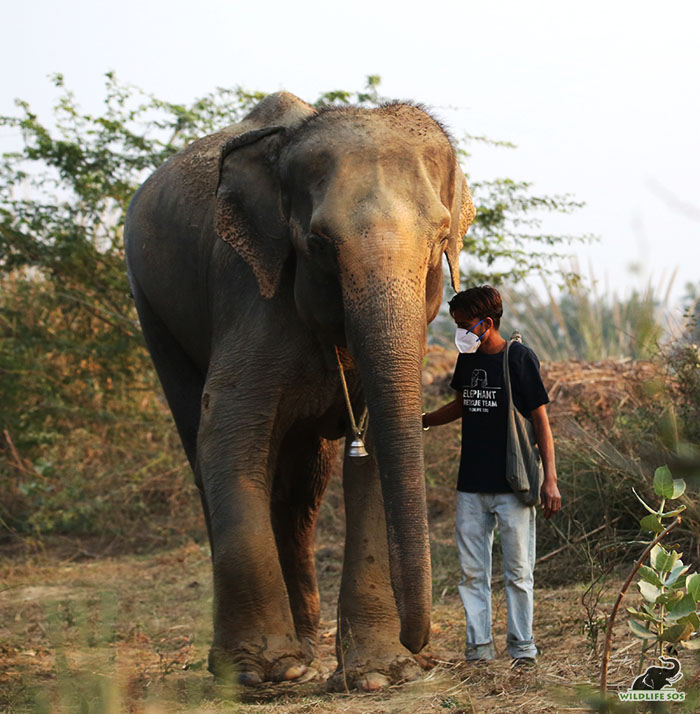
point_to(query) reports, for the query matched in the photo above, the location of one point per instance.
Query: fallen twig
(576, 540)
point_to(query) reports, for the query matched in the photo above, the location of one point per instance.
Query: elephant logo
(652, 684)
(479, 378)
(659, 677)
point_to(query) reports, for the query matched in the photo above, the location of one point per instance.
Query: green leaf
(642, 616)
(666, 486)
(642, 632)
(641, 500)
(669, 597)
(649, 591)
(662, 560)
(693, 644)
(663, 482)
(674, 579)
(692, 619)
(649, 575)
(681, 608)
(651, 522)
(692, 585)
(675, 512)
(678, 488)
(676, 633)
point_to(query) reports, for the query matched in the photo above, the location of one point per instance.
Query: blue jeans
(477, 515)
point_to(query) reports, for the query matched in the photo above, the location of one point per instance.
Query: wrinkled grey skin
(251, 255)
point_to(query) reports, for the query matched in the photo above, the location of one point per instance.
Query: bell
(357, 448)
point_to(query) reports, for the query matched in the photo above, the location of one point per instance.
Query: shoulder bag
(524, 471)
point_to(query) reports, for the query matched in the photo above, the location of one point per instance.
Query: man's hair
(480, 302)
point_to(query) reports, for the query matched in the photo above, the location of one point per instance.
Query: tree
(71, 354)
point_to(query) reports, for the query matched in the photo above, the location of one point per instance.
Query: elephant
(658, 677)
(260, 258)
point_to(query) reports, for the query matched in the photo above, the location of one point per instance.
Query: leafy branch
(668, 616)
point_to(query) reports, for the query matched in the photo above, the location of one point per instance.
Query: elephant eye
(316, 244)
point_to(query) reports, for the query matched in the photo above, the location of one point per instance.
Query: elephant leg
(369, 653)
(254, 637)
(305, 462)
(182, 383)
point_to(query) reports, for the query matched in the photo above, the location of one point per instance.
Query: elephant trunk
(675, 667)
(386, 335)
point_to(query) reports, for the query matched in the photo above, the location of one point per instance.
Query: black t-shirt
(479, 377)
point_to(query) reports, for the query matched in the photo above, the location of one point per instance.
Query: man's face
(468, 322)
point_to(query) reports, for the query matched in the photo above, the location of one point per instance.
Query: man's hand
(550, 497)
(549, 493)
(445, 414)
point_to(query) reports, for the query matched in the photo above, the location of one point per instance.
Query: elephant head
(360, 204)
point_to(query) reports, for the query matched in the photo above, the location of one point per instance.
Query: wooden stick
(17, 463)
(611, 619)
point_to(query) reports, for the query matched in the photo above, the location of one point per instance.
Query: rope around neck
(357, 430)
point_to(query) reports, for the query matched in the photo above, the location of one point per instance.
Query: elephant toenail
(294, 672)
(309, 675)
(373, 682)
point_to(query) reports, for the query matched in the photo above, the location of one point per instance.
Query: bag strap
(506, 374)
(515, 337)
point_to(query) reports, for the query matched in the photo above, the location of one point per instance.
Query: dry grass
(131, 633)
(87, 626)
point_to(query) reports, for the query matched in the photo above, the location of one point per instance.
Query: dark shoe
(523, 663)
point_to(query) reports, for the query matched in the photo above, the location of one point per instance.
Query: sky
(602, 99)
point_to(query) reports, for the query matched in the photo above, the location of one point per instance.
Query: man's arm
(550, 496)
(445, 414)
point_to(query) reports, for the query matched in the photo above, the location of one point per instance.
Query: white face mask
(466, 341)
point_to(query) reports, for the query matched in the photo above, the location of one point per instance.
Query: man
(484, 497)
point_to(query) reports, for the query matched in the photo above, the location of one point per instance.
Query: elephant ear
(249, 213)
(463, 213)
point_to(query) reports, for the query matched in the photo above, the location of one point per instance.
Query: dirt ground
(90, 627)
(131, 633)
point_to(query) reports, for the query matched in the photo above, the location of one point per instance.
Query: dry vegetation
(132, 633)
(86, 625)
(105, 596)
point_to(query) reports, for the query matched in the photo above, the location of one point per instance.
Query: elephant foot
(251, 670)
(373, 678)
